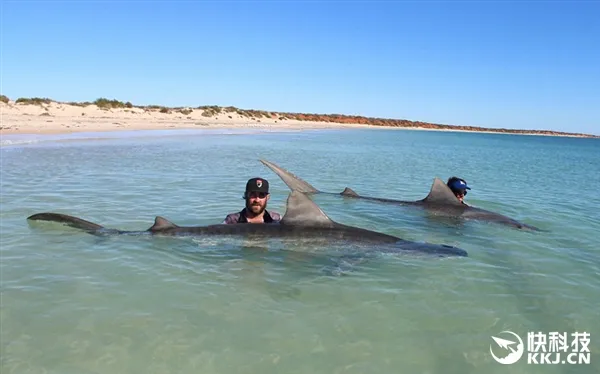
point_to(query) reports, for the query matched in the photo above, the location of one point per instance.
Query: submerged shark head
(440, 193)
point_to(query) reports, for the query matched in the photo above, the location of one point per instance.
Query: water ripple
(74, 303)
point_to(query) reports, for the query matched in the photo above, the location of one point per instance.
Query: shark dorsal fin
(348, 192)
(161, 223)
(293, 182)
(440, 193)
(302, 211)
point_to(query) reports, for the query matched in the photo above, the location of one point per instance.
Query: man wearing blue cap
(256, 196)
(459, 188)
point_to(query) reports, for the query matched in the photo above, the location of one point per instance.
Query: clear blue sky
(507, 64)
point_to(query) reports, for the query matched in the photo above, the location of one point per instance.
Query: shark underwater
(303, 219)
(440, 200)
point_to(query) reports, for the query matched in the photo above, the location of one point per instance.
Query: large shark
(440, 200)
(303, 219)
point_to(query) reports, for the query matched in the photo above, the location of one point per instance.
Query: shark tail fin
(71, 221)
(349, 192)
(293, 182)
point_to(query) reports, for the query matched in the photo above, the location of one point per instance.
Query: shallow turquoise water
(74, 303)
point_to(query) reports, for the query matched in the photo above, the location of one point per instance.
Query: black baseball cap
(257, 185)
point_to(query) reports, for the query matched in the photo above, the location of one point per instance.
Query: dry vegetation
(257, 115)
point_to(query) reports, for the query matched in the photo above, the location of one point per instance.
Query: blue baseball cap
(459, 185)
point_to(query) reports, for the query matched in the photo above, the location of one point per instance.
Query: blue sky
(529, 64)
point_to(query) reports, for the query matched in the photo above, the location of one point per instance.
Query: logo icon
(258, 183)
(507, 345)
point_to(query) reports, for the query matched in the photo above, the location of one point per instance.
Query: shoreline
(47, 117)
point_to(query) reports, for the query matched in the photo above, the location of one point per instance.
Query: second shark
(440, 200)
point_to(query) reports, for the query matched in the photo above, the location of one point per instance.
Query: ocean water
(76, 303)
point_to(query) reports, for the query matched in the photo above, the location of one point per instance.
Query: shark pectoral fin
(302, 211)
(349, 192)
(440, 193)
(161, 223)
(292, 181)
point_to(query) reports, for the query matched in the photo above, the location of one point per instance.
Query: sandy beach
(45, 116)
(57, 118)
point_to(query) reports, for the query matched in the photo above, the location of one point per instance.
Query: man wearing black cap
(256, 196)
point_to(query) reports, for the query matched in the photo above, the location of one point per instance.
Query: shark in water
(303, 219)
(440, 200)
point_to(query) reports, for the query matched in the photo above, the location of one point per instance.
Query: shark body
(303, 219)
(440, 200)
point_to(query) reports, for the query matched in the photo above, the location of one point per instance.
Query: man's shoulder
(232, 218)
